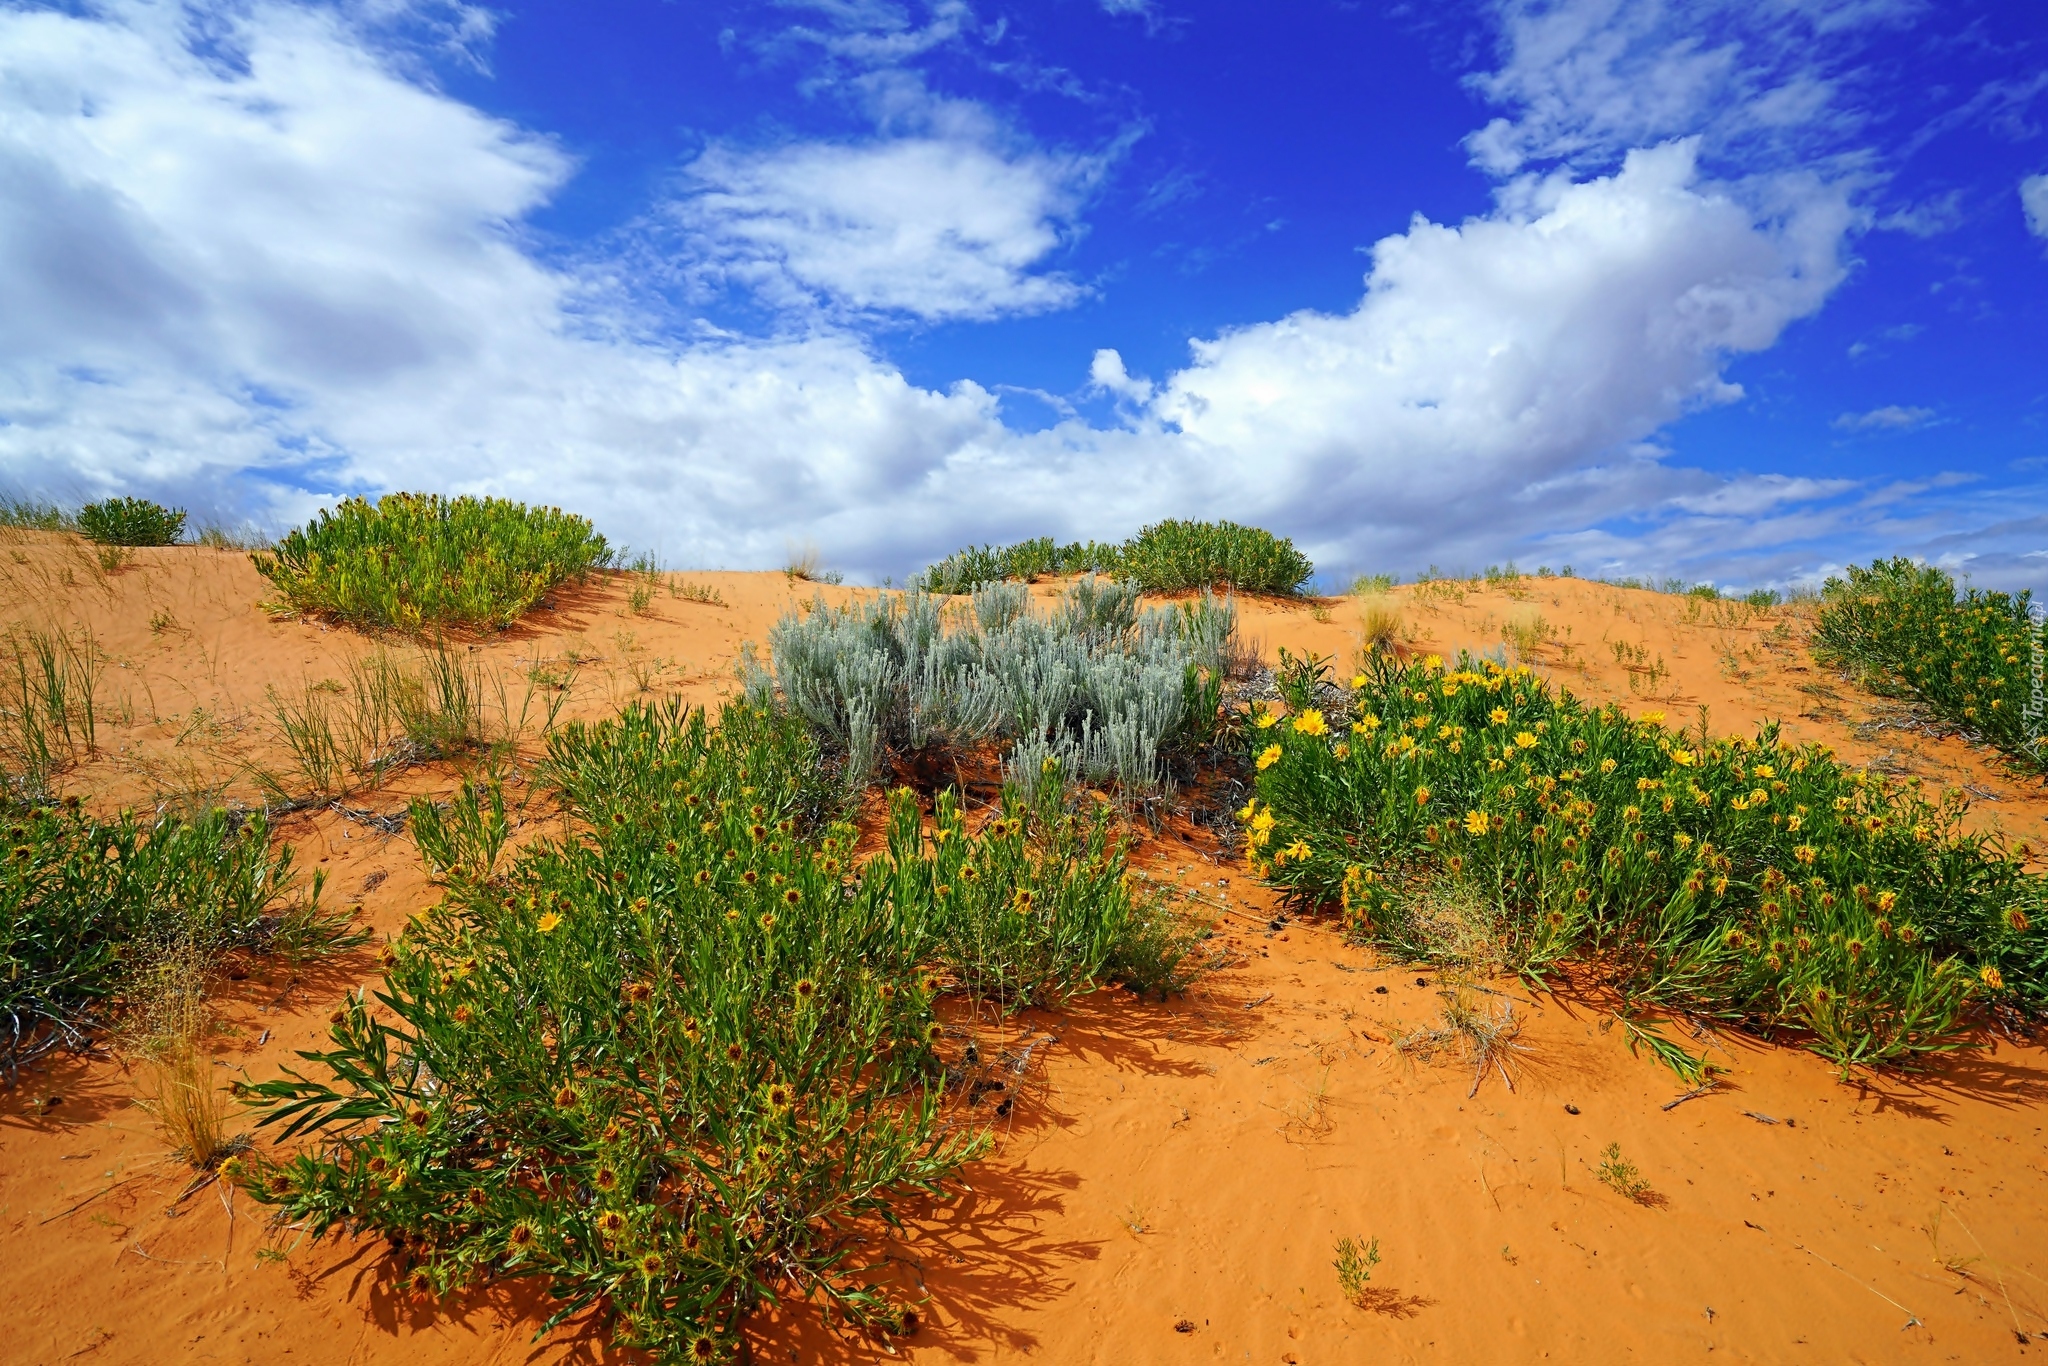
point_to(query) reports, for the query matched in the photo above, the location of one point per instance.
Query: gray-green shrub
(1093, 690)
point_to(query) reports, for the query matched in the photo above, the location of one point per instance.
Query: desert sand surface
(1171, 1180)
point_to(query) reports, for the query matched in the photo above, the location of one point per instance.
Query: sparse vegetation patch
(86, 904)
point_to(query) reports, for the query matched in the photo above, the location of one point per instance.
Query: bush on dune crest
(415, 562)
(1752, 881)
(1166, 557)
(131, 522)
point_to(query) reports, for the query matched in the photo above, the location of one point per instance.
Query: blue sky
(1733, 291)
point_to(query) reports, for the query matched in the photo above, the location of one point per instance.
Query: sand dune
(1171, 1181)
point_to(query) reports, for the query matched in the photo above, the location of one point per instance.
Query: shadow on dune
(967, 1266)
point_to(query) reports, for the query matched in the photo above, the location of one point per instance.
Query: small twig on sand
(1693, 1094)
(108, 1190)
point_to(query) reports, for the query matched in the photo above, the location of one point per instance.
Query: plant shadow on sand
(1978, 1075)
(64, 1091)
(967, 1266)
(1391, 1303)
(511, 1309)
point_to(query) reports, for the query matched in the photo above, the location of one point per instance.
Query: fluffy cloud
(1489, 358)
(255, 279)
(939, 228)
(2034, 200)
(282, 269)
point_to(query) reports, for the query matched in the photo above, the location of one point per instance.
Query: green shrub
(677, 1060)
(131, 521)
(1025, 562)
(1171, 556)
(1750, 881)
(1029, 913)
(1165, 557)
(416, 562)
(84, 902)
(1970, 660)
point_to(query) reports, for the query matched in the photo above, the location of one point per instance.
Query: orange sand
(1172, 1181)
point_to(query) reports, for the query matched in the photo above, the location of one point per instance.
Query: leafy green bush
(1025, 562)
(1172, 556)
(674, 1061)
(131, 521)
(83, 901)
(1166, 557)
(415, 562)
(1749, 881)
(1969, 659)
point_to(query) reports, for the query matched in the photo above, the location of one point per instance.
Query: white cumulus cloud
(1491, 356)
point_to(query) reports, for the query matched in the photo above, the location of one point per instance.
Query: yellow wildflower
(548, 923)
(1476, 823)
(1682, 757)
(1311, 722)
(1248, 810)
(1264, 720)
(1366, 724)
(1270, 757)
(1499, 716)
(1264, 821)
(1524, 740)
(1358, 680)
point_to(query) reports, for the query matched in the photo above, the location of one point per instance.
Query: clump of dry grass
(1485, 1038)
(806, 563)
(1450, 924)
(1380, 625)
(181, 1093)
